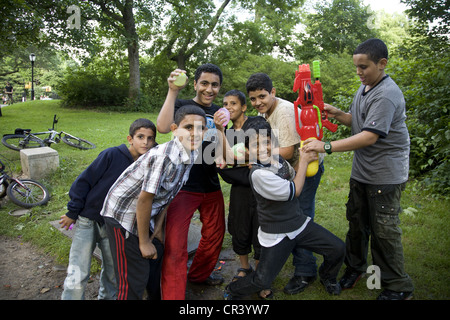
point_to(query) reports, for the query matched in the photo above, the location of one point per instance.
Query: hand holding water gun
(313, 116)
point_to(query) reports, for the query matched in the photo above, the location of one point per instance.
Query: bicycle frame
(24, 138)
(52, 133)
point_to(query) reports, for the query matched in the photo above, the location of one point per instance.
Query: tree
(192, 23)
(436, 12)
(115, 18)
(336, 27)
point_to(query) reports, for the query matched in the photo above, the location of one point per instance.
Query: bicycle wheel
(28, 193)
(77, 142)
(21, 141)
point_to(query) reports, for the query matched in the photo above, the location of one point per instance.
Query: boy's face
(207, 88)
(234, 106)
(369, 72)
(263, 100)
(190, 131)
(142, 141)
(260, 147)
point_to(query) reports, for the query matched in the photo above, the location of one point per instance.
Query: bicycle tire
(37, 195)
(75, 142)
(16, 142)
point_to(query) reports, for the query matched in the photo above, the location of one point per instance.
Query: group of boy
(154, 190)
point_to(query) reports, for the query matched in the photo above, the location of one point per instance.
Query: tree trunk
(135, 75)
(133, 51)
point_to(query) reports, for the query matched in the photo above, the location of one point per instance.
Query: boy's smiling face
(369, 72)
(234, 106)
(190, 131)
(260, 148)
(207, 88)
(263, 100)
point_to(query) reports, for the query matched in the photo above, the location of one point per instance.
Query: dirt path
(28, 274)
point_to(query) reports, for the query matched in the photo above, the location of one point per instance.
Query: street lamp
(32, 58)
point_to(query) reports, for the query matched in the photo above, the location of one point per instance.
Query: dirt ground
(28, 274)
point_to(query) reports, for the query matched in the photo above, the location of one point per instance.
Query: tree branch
(208, 30)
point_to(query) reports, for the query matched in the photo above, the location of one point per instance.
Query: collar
(275, 164)
(182, 155)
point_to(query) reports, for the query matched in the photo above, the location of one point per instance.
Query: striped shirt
(162, 171)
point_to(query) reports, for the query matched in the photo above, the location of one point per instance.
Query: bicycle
(23, 139)
(26, 193)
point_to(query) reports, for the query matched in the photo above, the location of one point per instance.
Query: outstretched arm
(166, 115)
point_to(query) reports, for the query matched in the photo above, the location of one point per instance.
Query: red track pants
(179, 215)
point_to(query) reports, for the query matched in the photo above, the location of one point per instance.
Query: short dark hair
(237, 93)
(208, 68)
(375, 49)
(259, 81)
(258, 125)
(186, 110)
(141, 123)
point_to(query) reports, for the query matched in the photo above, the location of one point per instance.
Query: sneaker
(349, 279)
(298, 284)
(332, 286)
(214, 280)
(393, 295)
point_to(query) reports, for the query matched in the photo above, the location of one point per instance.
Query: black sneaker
(214, 279)
(332, 286)
(298, 284)
(393, 295)
(349, 279)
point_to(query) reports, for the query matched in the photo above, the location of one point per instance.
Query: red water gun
(313, 117)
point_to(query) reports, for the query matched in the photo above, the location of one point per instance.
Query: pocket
(387, 221)
(83, 222)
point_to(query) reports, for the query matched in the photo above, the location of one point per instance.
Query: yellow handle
(313, 167)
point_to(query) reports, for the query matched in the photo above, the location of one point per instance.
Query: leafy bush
(428, 103)
(93, 88)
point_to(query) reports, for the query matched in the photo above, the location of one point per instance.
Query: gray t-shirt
(381, 110)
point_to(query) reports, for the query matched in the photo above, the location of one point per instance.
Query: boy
(141, 193)
(283, 226)
(380, 141)
(86, 200)
(281, 116)
(242, 217)
(202, 191)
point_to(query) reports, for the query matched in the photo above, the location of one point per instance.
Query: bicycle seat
(21, 131)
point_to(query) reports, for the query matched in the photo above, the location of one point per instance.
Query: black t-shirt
(203, 176)
(9, 89)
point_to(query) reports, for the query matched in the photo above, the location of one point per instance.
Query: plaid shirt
(162, 171)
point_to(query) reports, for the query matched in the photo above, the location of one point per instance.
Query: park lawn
(426, 232)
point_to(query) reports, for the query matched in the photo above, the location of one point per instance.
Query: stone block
(38, 162)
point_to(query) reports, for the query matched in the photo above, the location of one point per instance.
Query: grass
(426, 232)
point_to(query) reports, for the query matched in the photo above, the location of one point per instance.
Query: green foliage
(338, 26)
(92, 89)
(427, 93)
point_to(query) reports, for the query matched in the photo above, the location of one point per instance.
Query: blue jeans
(314, 237)
(88, 233)
(304, 260)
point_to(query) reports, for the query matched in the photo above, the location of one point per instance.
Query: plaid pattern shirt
(162, 171)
